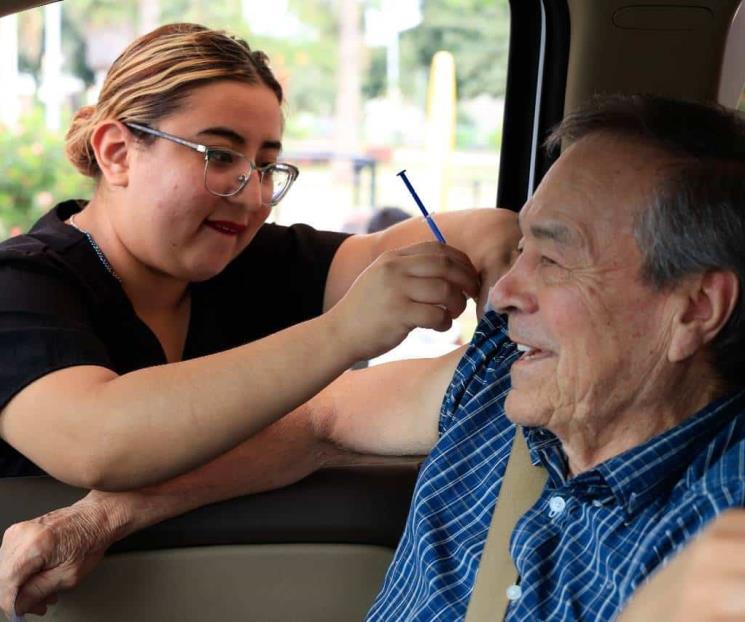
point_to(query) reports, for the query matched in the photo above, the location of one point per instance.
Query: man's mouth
(531, 353)
(226, 227)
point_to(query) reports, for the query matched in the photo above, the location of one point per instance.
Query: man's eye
(547, 261)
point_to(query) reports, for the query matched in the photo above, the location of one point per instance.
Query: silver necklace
(97, 249)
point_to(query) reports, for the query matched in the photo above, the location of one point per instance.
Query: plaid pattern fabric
(588, 541)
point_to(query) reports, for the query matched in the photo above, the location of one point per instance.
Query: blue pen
(437, 233)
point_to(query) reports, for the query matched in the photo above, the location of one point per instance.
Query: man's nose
(513, 292)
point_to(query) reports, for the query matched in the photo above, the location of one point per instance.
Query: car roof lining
(666, 47)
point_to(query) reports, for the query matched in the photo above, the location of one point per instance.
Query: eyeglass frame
(290, 169)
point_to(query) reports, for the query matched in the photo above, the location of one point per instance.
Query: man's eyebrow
(236, 138)
(556, 232)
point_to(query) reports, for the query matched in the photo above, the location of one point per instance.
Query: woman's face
(169, 221)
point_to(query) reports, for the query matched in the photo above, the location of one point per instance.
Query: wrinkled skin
(57, 550)
(601, 379)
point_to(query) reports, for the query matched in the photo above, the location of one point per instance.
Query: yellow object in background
(440, 128)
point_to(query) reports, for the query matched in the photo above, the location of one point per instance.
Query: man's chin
(522, 410)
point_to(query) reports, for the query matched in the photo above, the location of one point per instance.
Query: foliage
(35, 174)
(307, 65)
(476, 32)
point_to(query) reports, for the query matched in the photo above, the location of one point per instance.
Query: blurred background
(373, 86)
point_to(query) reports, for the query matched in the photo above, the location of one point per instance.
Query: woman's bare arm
(91, 428)
(389, 409)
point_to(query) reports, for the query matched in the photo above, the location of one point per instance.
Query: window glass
(373, 87)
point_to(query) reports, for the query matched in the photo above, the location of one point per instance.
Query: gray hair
(696, 220)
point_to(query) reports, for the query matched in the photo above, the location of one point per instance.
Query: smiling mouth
(530, 353)
(225, 227)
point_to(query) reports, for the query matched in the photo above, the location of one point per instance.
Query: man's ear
(706, 303)
(111, 143)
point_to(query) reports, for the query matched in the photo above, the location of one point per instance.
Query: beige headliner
(667, 47)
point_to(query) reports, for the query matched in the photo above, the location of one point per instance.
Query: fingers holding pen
(425, 285)
(440, 293)
(432, 260)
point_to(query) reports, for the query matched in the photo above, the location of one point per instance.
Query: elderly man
(615, 340)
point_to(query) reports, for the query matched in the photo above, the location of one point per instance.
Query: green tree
(36, 174)
(476, 32)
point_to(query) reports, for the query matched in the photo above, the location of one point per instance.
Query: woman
(133, 327)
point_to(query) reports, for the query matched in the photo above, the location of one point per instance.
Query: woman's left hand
(488, 236)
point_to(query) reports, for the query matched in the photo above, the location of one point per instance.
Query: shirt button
(556, 506)
(514, 592)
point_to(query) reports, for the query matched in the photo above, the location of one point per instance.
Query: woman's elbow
(94, 470)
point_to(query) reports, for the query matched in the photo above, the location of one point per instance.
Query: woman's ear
(707, 302)
(111, 143)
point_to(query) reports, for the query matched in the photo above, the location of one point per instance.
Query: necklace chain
(97, 249)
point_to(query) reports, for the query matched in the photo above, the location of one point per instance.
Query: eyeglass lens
(227, 172)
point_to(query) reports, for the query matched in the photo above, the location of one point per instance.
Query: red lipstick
(226, 227)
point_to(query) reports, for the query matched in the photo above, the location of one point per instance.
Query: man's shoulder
(718, 470)
(488, 357)
(481, 380)
(729, 463)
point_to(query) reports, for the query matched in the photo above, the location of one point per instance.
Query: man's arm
(387, 410)
(704, 583)
(390, 409)
(41, 557)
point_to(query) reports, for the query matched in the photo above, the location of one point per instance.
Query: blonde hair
(154, 75)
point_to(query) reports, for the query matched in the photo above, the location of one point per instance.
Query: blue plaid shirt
(588, 542)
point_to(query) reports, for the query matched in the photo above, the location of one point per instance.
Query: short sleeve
(483, 371)
(278, 281)
(43, 327)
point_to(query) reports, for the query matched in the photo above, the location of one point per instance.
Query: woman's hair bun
(78, 142)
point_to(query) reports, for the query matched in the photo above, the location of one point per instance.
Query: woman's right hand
(425, 285)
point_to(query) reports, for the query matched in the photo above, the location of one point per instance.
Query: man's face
(595, 333)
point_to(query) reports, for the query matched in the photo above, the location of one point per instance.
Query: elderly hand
(43, 556)
(705, 582)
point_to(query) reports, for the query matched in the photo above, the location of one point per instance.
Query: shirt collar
(636, 477)
(640, 475)
(73, 249)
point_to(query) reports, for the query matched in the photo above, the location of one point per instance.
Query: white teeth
(522, 348)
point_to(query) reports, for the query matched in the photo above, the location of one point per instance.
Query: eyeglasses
(227, 172)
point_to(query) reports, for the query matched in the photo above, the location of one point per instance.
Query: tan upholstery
(260, 583)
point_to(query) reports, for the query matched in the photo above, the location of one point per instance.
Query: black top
(60, 307)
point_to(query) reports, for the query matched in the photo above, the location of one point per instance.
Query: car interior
(318, 550)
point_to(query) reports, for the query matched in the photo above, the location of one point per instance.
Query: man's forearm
(283, 453)
(40, 556)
